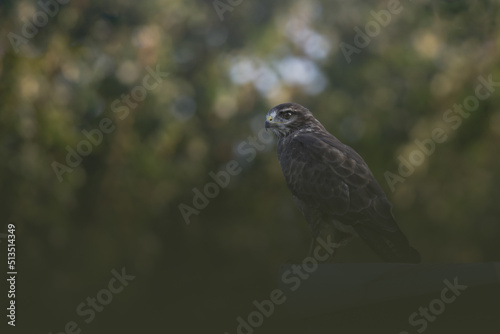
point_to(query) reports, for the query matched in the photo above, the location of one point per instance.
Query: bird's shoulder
(309, 140)
(322, 148)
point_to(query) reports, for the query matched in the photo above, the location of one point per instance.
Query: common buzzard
(333, 186)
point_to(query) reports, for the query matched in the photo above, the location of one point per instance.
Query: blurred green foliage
(119, 207)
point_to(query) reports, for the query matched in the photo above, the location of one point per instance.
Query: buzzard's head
(289, 117)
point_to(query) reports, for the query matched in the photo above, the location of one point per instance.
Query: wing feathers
(322, 172)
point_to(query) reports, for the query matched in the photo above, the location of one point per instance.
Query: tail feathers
(390, 246)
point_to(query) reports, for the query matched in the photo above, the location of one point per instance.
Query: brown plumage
(333, 186)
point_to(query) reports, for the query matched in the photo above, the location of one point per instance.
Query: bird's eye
(287, 115)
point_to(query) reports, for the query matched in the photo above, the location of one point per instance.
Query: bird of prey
(333, 186)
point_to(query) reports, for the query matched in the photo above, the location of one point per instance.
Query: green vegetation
(138, 102)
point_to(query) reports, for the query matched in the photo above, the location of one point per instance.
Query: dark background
(120, 206)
